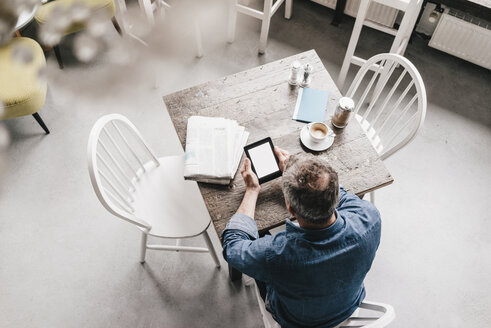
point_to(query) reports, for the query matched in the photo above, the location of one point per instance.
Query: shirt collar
(320, 233)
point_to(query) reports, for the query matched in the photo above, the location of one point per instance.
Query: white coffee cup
(318, 131)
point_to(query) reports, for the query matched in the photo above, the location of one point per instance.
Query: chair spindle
(120, 169)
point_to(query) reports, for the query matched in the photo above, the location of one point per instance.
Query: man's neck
(310, 226)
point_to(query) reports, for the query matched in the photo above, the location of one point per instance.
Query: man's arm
(248, 205)
(242, 248)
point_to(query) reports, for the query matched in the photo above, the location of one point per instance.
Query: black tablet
(263, 159)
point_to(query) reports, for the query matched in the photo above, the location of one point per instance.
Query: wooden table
(262, 100)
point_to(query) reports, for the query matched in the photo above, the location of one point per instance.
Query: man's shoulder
(352, 205)
(361, 219)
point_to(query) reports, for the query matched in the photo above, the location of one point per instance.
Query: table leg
(17, 34)
(234, 274)
(339, 11)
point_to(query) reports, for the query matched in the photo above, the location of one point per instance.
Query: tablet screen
(263, 159)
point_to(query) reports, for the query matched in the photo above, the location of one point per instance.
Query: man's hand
(250, 178)
(283, 157)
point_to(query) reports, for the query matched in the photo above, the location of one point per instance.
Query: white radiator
(377, 13)
(463, 36)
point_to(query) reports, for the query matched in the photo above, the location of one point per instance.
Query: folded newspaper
(214, 146)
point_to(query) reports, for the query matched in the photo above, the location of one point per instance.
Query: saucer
(315, 146)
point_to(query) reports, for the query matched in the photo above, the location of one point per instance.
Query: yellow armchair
(21, 91)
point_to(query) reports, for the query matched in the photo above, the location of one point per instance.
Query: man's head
(311, 188)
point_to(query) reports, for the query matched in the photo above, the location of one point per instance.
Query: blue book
(311, 105)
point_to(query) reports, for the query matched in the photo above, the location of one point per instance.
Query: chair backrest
(117, 158)
(362, 320)
(390, 101)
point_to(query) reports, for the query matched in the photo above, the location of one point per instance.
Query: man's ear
(290, 209)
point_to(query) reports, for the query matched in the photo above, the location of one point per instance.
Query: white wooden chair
(387, 315)
(153, 8)
(390, 102)
(269, 9)
(149, 192)
(402, 35)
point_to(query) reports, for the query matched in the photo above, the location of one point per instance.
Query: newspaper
(214, 147)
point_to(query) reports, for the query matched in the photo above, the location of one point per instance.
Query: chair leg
(248, 281)
(58, 56)
(232, 20)
(408, 34)
(143, 250)
(199, 43)
(288, 9)
(403, 35)
(360, 18)
(268, 320)
(211, 249)
(178, 243)
(265, 26)
(118, 19)
(116, 25)
(146, 6)
(41, 122)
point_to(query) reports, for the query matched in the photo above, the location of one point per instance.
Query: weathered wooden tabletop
(262, 100)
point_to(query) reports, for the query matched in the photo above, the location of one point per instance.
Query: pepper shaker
(307, 71)
(343, 112)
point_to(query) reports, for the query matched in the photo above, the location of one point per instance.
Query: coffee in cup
(318, 131)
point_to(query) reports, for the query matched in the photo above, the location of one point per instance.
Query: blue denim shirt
(314, 278)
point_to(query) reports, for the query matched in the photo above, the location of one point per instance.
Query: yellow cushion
(21, 91)
(43, 13)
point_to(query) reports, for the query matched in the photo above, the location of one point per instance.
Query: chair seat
(173, 206)
(43, 13)
(21, 91)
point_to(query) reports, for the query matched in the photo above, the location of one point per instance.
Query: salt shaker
(307, 70)
(343, 112)
(295, 73)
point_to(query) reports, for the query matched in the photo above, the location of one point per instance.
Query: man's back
(314, 278)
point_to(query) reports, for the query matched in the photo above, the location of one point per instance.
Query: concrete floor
(66, 262)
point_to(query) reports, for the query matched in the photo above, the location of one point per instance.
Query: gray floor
(66, 262)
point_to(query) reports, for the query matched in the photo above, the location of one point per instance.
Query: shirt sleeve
(347, 200)
(243, 249)
(353, 205)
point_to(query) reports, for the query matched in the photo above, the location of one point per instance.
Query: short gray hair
(311, 188)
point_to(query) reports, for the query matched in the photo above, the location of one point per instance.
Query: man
(311, 274)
